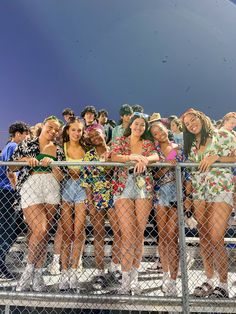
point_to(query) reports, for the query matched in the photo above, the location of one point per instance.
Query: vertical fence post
(7, 309)
(182, 242)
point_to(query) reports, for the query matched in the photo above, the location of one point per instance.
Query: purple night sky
(165, 54)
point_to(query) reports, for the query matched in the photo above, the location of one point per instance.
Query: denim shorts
(72, 192)
(166, 195)
(131, 190)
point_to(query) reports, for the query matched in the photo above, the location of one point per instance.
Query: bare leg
(202, 216)
(116, 245)
(58, 239)
(67, 233)
(218, 220)
(173, 246)
(142, 211)
(161, 218)
(37, 218)
(79, 234)
(98, 221)
(127, 222)
(50, 213)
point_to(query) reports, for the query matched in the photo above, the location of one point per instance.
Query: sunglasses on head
(141, 115)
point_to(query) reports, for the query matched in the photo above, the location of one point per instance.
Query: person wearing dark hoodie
(18, 131)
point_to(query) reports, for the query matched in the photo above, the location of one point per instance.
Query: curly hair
(178, 122)
(228, 116)
(90, 109)
(206, 130)
(18, 126)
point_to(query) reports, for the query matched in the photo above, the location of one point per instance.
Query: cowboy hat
(154, 117)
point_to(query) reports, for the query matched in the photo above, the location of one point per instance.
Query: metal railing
(146, 300)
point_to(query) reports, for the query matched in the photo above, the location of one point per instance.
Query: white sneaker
(80, 268)
(74, 283)
(135, 286)
(38, 282)
(54, 268)
(171, 289)
(123, 291)
(64, 281)
(25, 281)
(165, 280)
(125, 283)
(164, 286)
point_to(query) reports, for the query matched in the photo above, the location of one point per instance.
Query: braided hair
(206, 130)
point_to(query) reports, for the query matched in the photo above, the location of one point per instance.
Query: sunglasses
(141, 115)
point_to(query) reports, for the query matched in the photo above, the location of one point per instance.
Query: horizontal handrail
(116, 164)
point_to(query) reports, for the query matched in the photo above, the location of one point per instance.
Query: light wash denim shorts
(72, 192)
(131, 190)
(166, 195)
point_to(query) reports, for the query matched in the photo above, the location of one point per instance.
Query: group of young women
(126, 194)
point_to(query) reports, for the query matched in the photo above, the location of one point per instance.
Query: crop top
(172, 154)
(40, 168)
(71, 159)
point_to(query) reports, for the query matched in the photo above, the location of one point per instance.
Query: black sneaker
(115, 277)
(5, 274)
(100, 282)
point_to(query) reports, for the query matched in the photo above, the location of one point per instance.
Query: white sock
(172, 282)
(38, 271)
(29, 267)
(165, 276)
(114, 267)
(64, 272)
(101, 272)
(126, 281)
(56, 258)
(134, 274)
(210, 281)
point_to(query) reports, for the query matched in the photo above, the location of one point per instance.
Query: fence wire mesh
(73, 246)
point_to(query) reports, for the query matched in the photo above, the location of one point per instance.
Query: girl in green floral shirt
(212, 194)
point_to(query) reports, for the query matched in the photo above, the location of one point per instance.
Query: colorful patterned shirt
(118, 131)
(122, 147)
(30, 148)
(95, 178)
(169, 176)
(218, 179)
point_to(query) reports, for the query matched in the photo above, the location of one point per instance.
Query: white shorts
(40, 188)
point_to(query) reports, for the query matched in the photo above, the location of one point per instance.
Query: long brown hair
(135, 116)
(65, 136)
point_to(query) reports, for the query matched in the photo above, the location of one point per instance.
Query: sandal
(219, 293)
(203, 291)
(156, 267)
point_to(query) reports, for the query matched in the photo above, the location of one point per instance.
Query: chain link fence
(69, 249)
